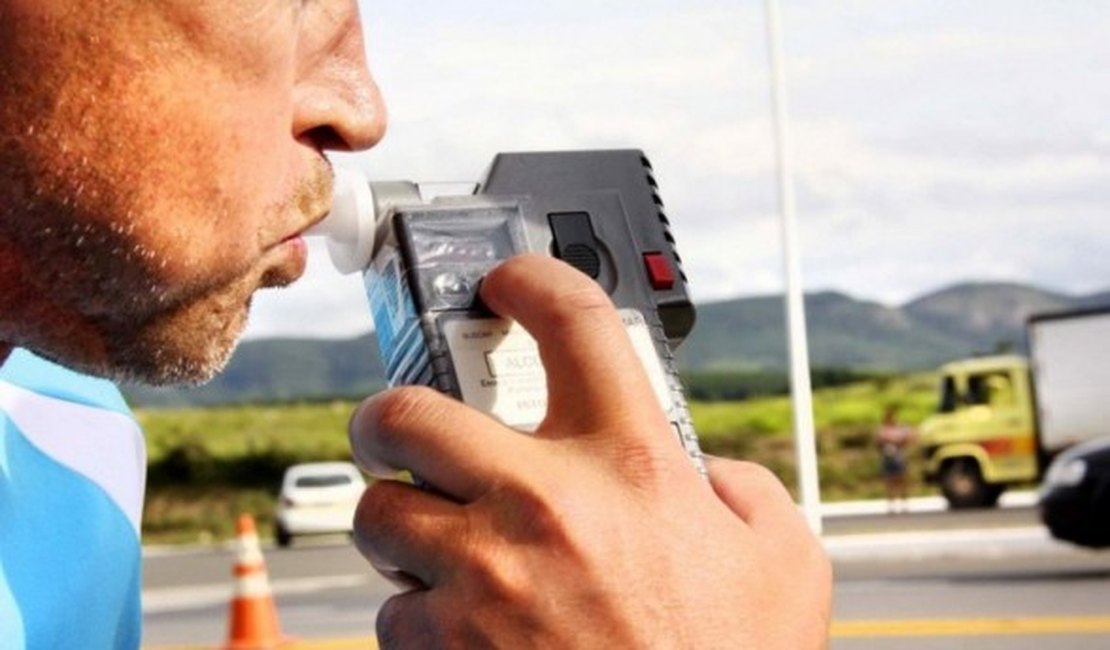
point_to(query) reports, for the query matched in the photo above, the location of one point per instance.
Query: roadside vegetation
(207, 465)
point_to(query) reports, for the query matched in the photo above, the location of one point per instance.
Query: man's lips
(285, 262)
(295, 240)
(299, 234)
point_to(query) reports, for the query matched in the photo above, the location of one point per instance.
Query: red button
(659, 271)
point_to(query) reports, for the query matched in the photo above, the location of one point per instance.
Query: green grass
(207, 465)
(845, 421)
(302, 430)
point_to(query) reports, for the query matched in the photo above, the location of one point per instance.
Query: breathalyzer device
(424, 249)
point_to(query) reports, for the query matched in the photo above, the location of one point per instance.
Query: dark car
(1075, 498)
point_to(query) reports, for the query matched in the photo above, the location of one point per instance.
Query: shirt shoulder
(72, 460)
(38, 375)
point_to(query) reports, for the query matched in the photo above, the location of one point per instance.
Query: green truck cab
(983, 437)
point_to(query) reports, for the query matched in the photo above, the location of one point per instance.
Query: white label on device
(499, 370)
(642, 342)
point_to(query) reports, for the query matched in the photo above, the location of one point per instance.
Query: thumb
(593, 372)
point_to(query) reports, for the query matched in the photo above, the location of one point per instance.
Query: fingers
(458, 450)
(754, 494)
(406, 532)
(593, 373)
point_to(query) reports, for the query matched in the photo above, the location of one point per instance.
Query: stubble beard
(119, 315)
(126, 316)
(116, 311)
(188, 345)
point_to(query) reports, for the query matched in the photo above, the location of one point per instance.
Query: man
(159, 164)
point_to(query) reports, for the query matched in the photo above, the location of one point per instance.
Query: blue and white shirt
(72, 476)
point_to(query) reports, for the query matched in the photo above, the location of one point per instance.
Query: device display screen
(451, 252)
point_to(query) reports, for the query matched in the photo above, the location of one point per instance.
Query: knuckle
(504, 584)
(580, 305)
(807, 554)
(473, 545)
(588, 296)
(763, 481)
(375, 514)
(524, 517)
(644, 462)
(541, 512)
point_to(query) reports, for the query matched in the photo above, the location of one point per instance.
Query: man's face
(158, 161)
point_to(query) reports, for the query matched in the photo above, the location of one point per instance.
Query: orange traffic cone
(252, 620)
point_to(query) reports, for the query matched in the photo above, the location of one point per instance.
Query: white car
(317, 498)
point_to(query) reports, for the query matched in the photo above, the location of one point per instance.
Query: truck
(1001, 419)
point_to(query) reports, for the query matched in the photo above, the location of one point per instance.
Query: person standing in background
(893, 439)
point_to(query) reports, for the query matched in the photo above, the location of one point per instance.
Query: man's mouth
(307, 202)
(300, 233)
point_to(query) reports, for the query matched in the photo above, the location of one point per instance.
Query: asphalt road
(931, 520)
(982, 589)
(927, 580)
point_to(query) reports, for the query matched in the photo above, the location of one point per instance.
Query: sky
(934, 142)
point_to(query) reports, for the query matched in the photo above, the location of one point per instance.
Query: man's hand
(596, 531)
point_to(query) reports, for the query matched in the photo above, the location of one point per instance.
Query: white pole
(800, 389)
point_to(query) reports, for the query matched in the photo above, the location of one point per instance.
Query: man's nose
(337, 104)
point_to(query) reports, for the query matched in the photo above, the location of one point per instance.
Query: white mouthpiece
(349, 228)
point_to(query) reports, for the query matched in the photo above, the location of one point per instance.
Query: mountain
(1101, 299)
(986, 314)
(745, 334)
(281, 369)
(749, 333)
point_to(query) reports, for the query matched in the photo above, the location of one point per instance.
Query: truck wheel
(963, 486)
